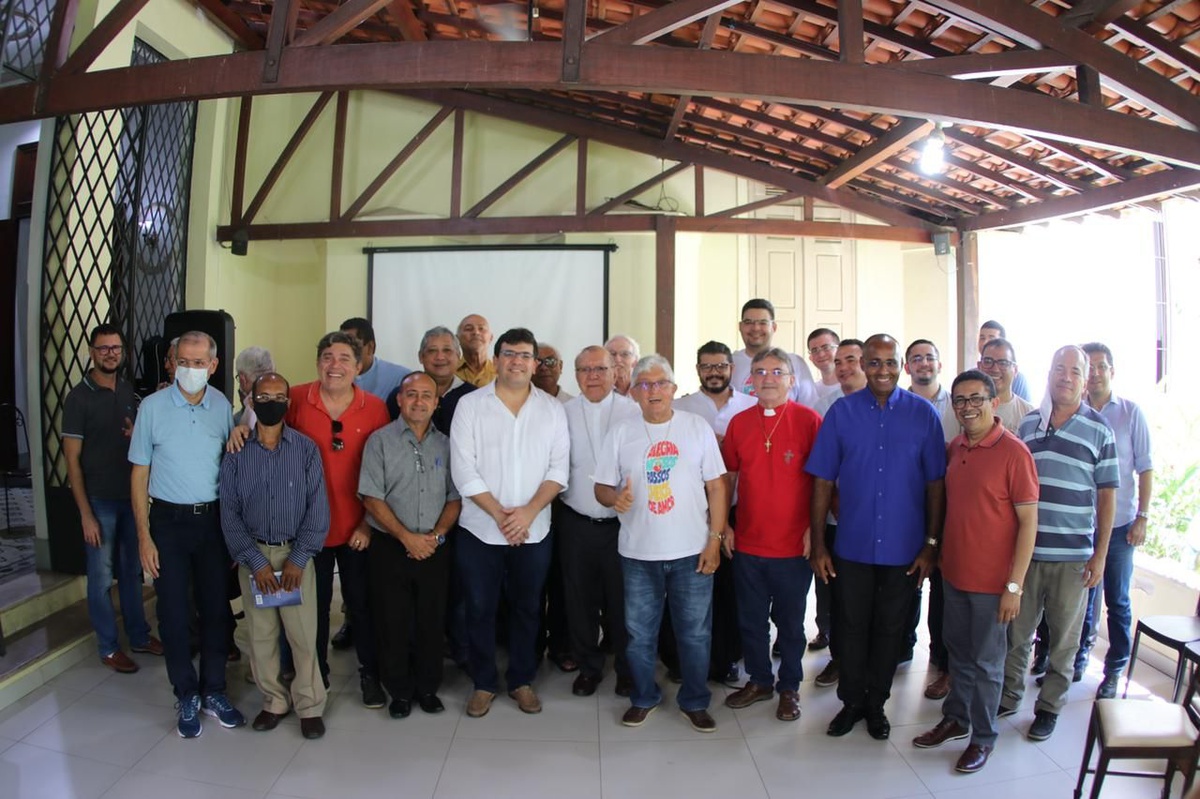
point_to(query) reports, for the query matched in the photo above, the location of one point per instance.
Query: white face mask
(191, 381)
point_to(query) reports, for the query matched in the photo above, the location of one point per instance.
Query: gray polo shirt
(412, 477)
(96, 415)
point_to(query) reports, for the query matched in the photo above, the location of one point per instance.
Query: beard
(106, 370)
(710, 385)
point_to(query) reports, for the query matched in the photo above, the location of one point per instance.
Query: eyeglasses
(975, 401)
(1000, 363)
(517, 355)
(622, 355)
(419, 459)
(709, 368)
(922, 359)
(756, 322)
(659, 385)
(592, 370)
(772, 372)
(338, 443)
(262, 398)
(194, 363)
(109, 349)
(823, 348)
(549, 363)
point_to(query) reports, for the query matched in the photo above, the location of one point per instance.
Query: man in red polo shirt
(987, 543)
(339, 416)
(765, 449)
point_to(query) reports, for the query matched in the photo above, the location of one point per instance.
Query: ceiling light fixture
(933, 152)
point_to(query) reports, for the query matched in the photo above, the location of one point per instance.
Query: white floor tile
(30, 772)
(103, 728)
(695, 769)
(5, 743)
(83, 676)
(140, 785)
(35, 709)
(563, 718)
(1013, 758)
(520, 770)
(148, 686)
(851, 766)
(1056, 785)
(365, 765)
(666, 723)
(238, 758)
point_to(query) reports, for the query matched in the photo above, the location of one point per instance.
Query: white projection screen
(560, 293)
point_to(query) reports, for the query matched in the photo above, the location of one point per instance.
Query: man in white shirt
(509, 459)
(923, 365)
(663, 475)
(716, 402)
(822, 345)
(757, 328)
(586, 531)
(999, 362)
(625, 353)
(549, 372)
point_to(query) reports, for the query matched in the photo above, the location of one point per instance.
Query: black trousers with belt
(595, 589)
(872, 604)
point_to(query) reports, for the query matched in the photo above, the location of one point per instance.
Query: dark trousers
(553, 633)
(873, 604)
(595, 590)
(825, 598)
(191, 555)
(456, 601)
(938, 657)
(408, 608)
(777, 586)
(352, 567)
(520, 572)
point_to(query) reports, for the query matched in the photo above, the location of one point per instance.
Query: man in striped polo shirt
(1076, 457)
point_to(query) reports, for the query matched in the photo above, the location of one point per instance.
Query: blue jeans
(1118, 573)
(119, 547)
(648, 585)
(485, 570)
(772, 588)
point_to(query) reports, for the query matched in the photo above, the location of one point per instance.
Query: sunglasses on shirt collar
(338, 443)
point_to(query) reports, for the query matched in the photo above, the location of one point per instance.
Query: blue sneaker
(218, 706)
(189, 725)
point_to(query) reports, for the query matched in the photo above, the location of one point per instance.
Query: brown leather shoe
(700, 720)
(153, 646)
(526, 699)
(789, 706)
(939, 688)
(266, 721)
(828, 675)
(480, 703)
(946, 730)
(636, 716)
(312, 728)
(119, 662)
(748, 694)
(974, 758)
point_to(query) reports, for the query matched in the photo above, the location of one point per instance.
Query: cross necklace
(767, 436)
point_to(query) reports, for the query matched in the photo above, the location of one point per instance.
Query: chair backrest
(1191, 699)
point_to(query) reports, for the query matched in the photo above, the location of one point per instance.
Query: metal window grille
(115, 240)
(24, 26)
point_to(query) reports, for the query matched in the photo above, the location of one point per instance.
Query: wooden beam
(400, 13)
(883, 148)
(851, 44)
(102, 35)
(780, 40)
(279, 28)
(339, 155)
(972, 66)
(664, 287)
(573, 30)
(873, 29)
(1172, 51)
(1087, 84)
(405, 153)
(1074, 153)
(233, 25)
(456, 164)
(1094, 15)
(681, 105)
(966, 256)
(748, 208)
(238, 199)
(338, 23)
(581, 167)
(1033, 28)
(698, 181)
(289, 150)
(661, 21)
(1167, 181)
(1015, 159)
(616, 202)
(58, 43)
(984, 173)
(518, 176)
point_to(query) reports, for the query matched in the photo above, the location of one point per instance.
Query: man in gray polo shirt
(411, 505)
(176, 454)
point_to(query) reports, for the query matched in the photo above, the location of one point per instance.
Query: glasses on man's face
(338, 443)
(109, 349)
(621, 355)
(655, 385)
(918, 359)
(516, 355)
(710, 368)
(192, 363)
(771, 372)
(259, 399)
(592, 370)
(975, 401)
(549, 363)
(815, 351)
(1004, 364)
(756, 322)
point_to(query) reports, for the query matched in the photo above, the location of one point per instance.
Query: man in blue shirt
(883, 448)
(176, 452)
(375, 376)
(275, 515)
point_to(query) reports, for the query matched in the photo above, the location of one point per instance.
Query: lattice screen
(115, 240)
(24, 26)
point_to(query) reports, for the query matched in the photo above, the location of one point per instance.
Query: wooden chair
(1173, 631)
(1144, 730)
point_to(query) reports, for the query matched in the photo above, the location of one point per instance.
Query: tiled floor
(92, 733)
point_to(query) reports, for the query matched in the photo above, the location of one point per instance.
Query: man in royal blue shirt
(884, 449)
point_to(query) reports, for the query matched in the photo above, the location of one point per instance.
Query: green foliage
(1174, 529)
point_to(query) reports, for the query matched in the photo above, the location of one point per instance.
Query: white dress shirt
(508, 456)
(702, 404)
(589, 423)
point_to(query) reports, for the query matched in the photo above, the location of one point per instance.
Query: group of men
(678, 529)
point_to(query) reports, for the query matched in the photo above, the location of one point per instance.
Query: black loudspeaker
(219, 325)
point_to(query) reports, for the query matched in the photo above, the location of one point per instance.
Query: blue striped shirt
(1073, 463)
(274, 496)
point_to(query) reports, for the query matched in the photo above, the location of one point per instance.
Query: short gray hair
(199, 337)
(594, 348)
(777, 353)
(652, 361)
(637, 351)
(254, 361)
(434, 332)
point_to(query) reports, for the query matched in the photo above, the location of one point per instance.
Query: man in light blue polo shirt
(176, 452)
(376, 376)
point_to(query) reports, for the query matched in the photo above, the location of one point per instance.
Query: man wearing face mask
(176, 453)
(274, 514)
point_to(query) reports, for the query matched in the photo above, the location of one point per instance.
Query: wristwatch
(716, 536)
(931, 541)
(1013, 588)
(1142, 515)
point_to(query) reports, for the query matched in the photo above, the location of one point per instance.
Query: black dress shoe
(624, 686)
(266, 721)
(585, 684)
(844, 721)
(312, 728)
(878, 725)
(343, 638)
(400, 708)
(430, 703)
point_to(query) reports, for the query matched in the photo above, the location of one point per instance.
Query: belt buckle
(199, 508)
